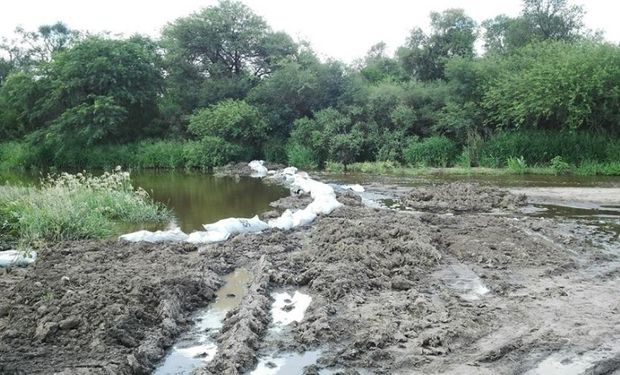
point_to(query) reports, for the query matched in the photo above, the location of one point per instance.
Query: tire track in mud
(243, 327)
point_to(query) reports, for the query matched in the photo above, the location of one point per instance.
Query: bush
(431, 152)
(160, 154)
(72, 207)
(275, 151)
(234, 122)
(210, 152)
(14, 155)
(559, 165)
(539, 147)
(301, 157)
(377, 167)
(517, 165)
(592, 168)
(556, 85)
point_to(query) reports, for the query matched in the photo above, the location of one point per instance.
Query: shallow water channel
(198, 346)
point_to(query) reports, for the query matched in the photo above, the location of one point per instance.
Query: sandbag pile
(323, 203)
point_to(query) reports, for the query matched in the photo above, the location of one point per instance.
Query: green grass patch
(73, 207)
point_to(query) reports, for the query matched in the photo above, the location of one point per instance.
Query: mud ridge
(108, 307)
(462, 197)
(243, 327)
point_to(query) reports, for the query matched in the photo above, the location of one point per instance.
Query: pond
(199, 198)
(195, 198)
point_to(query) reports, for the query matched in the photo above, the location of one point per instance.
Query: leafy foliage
(220, 86)
(231, 121)
(431, 152)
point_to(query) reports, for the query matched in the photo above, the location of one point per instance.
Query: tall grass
(541, 147)
(431, 152)
(71, 207)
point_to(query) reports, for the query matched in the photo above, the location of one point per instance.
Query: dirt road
(430, 289)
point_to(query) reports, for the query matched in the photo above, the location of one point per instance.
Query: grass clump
(431, 152)
(75, 206)
(517, 165)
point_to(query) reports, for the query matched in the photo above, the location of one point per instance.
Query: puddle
(577, 364)
(463, 280)
(287, 363)
(606, 217)
(288, 308)
(198, 346)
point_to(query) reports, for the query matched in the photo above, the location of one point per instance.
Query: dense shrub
(234, 122)
(210, 152)
(557, 85)
(539, 147)
(301, 156)
(431, 152)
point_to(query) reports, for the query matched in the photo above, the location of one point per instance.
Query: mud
(488, 291)
(99, 308)
(462, 197)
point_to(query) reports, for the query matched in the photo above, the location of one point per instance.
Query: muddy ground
(481, 290)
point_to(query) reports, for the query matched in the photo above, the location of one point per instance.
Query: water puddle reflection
(198, 346)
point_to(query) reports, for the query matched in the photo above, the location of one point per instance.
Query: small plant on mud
(517, 165)
(47, 296)
(76, 206)
(560, 166)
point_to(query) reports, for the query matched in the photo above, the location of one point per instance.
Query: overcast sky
(343, 29)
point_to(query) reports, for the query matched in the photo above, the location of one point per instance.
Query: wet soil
(472, 287)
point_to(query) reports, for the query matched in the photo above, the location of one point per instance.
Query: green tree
(18, 105)
(329, 136)
(297, 89)
(233, 121)
(453, 34)
(125, 71)
(227, 39)
(540, 20)
(220, 52)
(32, 48)
(377, 66)
(556, 85)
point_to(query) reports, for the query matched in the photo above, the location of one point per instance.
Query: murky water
(504, 181)
(286, 363)
(196, 347)
(195, 198)
(590, 362)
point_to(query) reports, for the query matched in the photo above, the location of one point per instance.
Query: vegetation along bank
(220, 85)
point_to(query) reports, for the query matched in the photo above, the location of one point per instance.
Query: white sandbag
(207, 237)
(289, 170)
(259, 169)
(355, 187)
(17, 258)
(237, 225)
(303, 217)
(315, 188)
(284, 222)
(172, 235)
(323, 205)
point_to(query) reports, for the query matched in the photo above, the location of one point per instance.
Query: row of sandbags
(323, 202)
